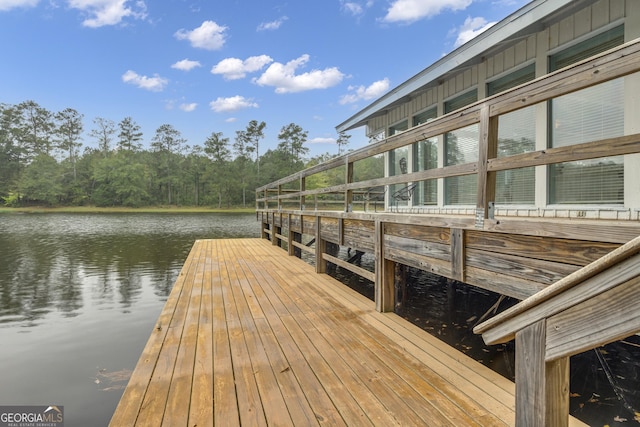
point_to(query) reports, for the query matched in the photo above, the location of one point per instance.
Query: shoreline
(149, 209)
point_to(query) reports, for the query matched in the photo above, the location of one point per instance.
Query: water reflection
(79, 294)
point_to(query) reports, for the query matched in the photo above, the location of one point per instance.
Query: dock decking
(250, 336)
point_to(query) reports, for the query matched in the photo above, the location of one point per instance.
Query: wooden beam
(384, 286)
(488, 149)
(352, 268)
(321, 248)
(530, 376)
(457, 254)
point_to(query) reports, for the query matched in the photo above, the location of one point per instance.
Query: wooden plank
(224, 393)
(303, 247)
(566, 251)
(176, 411)
(504, 284)
(488, 150)
(369, 275)
(545, 272)
(617, 146)
(458, 254)
(426, 263)
(384, 293)
(201, 408)
(420, 247)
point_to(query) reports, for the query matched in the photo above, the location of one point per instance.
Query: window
(461, 146)
(398, 127)
(425, 156)
(398, 165)
(587, 115)
(516, 134)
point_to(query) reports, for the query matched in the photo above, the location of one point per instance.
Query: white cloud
(154, 84)
(353, 8)
(11, 4)
(209, 35)
(234, 68)
(374, 90)
(234, 103)
(284, 78)
(471, 28)
(408, 11)
(273, 25)
(231, 120)
(188, 107)
(186, 65)
(322, 141)
(109, 12)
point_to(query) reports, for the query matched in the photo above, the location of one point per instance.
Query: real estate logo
(32, 416)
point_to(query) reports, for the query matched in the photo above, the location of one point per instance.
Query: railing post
(321, 248)
(542, 388)
(488, 149)
(303, 183)
(348, 194)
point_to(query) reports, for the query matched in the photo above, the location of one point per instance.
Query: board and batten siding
(572, 28)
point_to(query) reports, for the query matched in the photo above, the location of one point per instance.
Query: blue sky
(208, 66)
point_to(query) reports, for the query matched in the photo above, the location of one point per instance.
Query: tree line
(43, 161)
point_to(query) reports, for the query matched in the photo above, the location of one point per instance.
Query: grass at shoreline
(150, 209)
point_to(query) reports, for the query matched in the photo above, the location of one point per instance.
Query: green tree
(217, 149)
(69, 134)
(36, 130)
(342, 141)
(251, 137)
(168, 145)
(10, 152)
(103, 132)
(129, 136)
(292, 138)
(41, 181)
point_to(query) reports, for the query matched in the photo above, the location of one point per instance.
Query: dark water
(604, 383)
(79, 295)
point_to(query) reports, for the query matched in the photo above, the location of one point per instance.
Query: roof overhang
(529, 19)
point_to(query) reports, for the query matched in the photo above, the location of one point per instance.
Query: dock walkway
(250, 336)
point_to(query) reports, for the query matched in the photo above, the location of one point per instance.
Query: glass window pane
(516, 135)
(588, 115)
(399, 127)
(398, 165)
(461, 146)
(425, 156)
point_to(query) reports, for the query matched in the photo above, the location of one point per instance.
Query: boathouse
(511, 164)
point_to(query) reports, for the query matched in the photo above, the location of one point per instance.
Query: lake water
(80, 295)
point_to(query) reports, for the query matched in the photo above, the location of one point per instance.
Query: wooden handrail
(593, 306)
(615, 63)
(502, 328)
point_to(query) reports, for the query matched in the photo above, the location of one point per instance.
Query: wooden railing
(610, 65)
(591, 307)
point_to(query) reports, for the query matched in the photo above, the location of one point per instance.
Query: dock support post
(385, 269)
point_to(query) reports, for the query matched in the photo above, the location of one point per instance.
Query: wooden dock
(250, 336)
